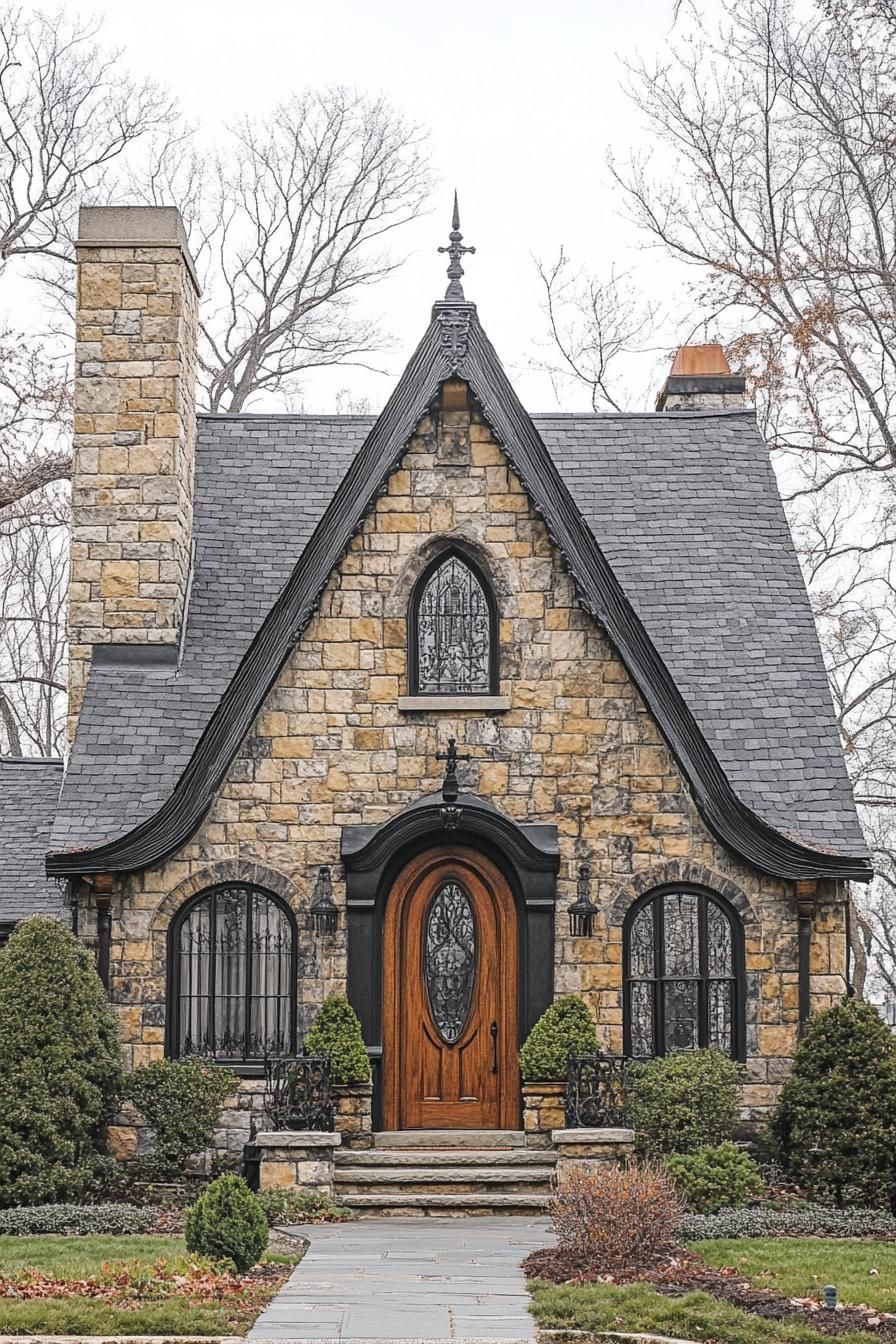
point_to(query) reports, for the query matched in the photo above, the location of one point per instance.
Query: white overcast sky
(522, 99)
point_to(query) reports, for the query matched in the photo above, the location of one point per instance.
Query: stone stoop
(445, 1172)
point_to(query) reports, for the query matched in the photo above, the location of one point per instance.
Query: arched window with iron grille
(452, 628)
(232, 976)
(684, 975)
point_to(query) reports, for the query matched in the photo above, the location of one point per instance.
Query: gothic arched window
(453, 639)
(684, 972)
(232, 976)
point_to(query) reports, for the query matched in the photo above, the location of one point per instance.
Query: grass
(800, 1267)
(639, 1308)
(77, 1258)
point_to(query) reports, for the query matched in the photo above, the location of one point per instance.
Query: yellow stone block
(121, 578)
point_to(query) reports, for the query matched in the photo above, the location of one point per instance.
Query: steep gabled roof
(690, 618)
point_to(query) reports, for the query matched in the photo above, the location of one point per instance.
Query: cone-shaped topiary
(227, 1223)
(684, 1102)
(562, 1028)
(60, 1064)
(834, 1127)
(336, 1034)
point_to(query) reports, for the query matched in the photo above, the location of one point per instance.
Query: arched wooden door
(450, 996)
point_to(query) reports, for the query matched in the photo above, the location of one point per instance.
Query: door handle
(494, 1034)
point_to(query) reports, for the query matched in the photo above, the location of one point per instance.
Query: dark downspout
(805, 894)
(104, 938)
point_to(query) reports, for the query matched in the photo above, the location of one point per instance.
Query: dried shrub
(615, 1218)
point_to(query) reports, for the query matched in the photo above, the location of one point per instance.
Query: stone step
(359, 1178)
(444, 1157)
(396, 1203)
(450, 1138)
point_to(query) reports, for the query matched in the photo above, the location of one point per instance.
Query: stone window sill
(491, 704)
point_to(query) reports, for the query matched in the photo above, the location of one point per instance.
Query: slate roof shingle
(29, 794)
(700, 546)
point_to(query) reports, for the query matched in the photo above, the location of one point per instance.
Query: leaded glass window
(453, 631)
(233, 963)
(681, 975)
(449, 959)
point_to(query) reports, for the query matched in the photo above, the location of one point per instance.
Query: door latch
(494, 1032)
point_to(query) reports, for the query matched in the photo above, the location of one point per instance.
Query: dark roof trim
(454, 345)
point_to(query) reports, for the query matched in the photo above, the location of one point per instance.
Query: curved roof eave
(455, 345)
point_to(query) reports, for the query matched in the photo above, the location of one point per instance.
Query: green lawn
(80, 1257)
(639, 1308)
(798, 1267)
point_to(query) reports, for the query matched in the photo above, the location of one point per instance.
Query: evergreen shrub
(284, 1207)
(76, 1220)
(227, 1223)
(335, 1033)
(723, 1177)
(683, 1102)
(60, 1065)
(834, 1127)
(564, 1027)
(181, 1100)
(798, 1220)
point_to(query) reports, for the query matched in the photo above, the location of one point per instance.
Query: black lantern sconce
(582, 911)
(324, 912)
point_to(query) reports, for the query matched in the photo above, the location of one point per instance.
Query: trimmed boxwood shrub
(181, 1100)
(60, 1064)
(723, 1177)
(834, 1127)
(336, 1034)
(808, 1220)
(565, 1026)
(227, 1223)
(76, 1220)
(684, 1102)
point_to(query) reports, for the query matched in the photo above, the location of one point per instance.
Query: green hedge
(811, 1220)
(336, 1034)
(684, 1102)
(713, 1178)
(834, 1127)
(564, 1027)
(60, 1065)
(181, 1100)
(227, 1223)
(76, 1220)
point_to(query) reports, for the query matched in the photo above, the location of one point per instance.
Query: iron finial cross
(455, 293)
(450, 787)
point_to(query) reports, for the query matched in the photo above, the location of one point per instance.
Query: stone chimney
(135, 428)
(701, 380)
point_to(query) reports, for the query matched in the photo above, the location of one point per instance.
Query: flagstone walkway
(409, 1280)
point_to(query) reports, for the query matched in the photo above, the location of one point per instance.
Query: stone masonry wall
(577, 748)
(134, 440)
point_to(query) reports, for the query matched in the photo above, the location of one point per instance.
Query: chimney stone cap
(135, 226)
(696, 361)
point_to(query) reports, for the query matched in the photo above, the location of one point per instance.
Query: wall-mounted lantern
(582, 911)
(324, 912)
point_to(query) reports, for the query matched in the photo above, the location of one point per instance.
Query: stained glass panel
(718, 942)
(234, 964)
(453, 633)
(641, 945)
(719, 1014)
(449, 959)
(681, 933)
(681, 1005)
(641, 1016)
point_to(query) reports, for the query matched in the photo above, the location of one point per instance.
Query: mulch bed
(687, 1273)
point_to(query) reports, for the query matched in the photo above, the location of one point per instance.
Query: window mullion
(247, 1010)
(703, 974)
(659, 966)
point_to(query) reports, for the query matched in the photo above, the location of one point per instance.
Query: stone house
(278, 625)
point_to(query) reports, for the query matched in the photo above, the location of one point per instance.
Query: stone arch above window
(453, 628)
(232, 976)
(680, 870)
(683, 973)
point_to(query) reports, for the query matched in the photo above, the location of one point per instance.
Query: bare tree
(291, 228)
(778, 186)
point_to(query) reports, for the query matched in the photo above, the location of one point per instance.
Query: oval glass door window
(449, 959)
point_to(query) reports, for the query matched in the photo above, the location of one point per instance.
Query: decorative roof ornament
(455, 293)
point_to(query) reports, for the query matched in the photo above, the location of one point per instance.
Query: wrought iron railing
(596, 1091)
(297, 1093)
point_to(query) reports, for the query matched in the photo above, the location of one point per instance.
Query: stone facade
(587, 1150)
(135, 426)
(576, 748)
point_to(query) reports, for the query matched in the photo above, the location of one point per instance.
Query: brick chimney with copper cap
(701, 380)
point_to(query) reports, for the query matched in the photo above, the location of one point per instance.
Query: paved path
(408, 1279)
